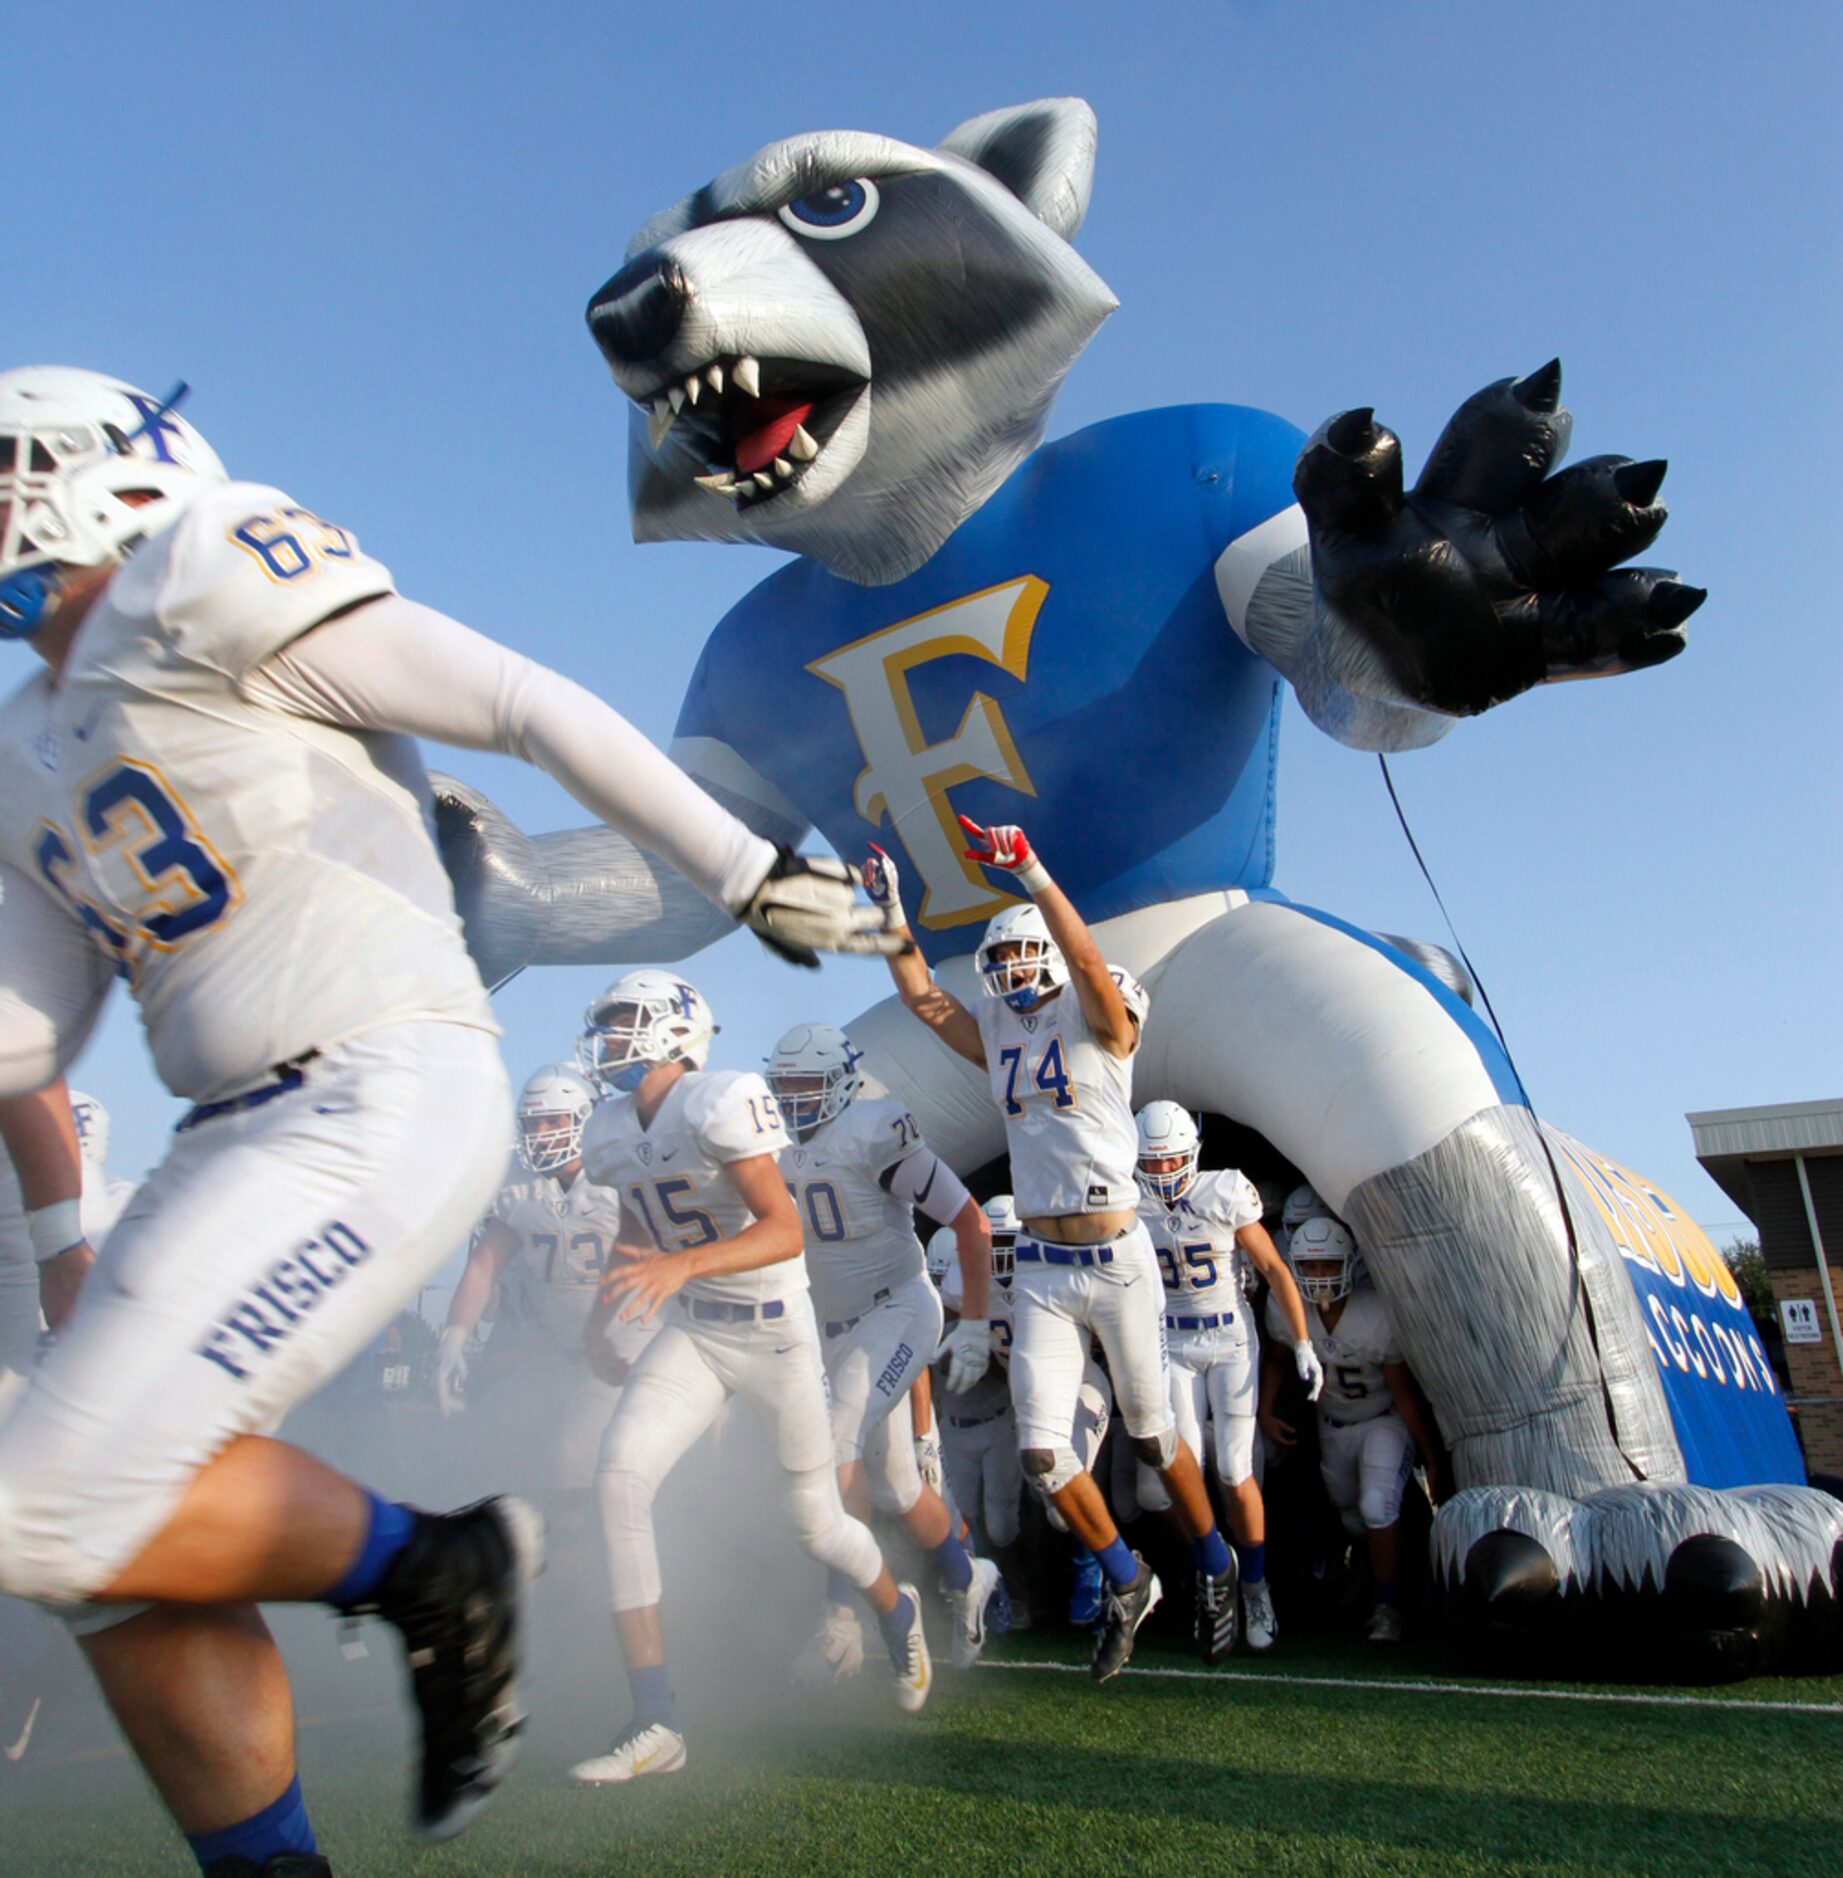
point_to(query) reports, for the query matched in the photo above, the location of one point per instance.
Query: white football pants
(268, 1250)
(979, 1456)
(689, 1370)
(1366, 1467)
(1215, 1389)
(872, 1366)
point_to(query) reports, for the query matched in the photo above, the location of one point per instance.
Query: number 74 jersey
(265, 884)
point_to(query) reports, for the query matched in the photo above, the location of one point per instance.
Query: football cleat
(1085, 1597)
(970, 1612)
(1258, 1626)
(1385, 1625)
(1123, 1613)
(833, 1652)
(909, 1663)
(654, 1749)
(453, 1593)
(1019, 1606)
(1215, 1614)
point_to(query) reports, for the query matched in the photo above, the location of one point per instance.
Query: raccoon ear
(1042, 152)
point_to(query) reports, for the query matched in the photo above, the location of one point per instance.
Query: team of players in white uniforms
(211, 791)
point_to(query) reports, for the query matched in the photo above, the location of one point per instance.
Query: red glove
(1005, 845)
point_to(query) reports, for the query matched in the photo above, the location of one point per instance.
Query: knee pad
(1373, 1507)
(826, 1531)
(1051, 1469)
(1156, 1451)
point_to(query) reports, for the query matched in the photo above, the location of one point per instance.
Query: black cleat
(1216, 1612)
(277, 1865)
(453, 1592)
(1122, 1612)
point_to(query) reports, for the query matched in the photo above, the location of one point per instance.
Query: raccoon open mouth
(758, 424)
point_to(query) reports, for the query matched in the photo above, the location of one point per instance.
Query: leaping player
(1056, 1032)
(1204, 1227)
(713, 1247)
(858, 1171)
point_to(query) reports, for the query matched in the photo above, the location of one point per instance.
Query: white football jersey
(1067, 1103)
(672, 1176)
(267, 885)
(1353, 1355)
(992, 1392)
(1194, 1238)
(860, 1239)
(564, 1236)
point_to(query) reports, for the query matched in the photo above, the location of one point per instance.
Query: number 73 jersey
(673, 1173)
(565, 1236)
(266, 884)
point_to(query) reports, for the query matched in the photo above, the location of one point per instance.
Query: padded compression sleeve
(925, 1181)
(394, 665)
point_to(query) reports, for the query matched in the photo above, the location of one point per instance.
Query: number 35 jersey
(860, 1239)
(1353, 1355)
(266, 884)
(1067, 1103)
(673, 1175)
(1194, 1238)
(565, 1237)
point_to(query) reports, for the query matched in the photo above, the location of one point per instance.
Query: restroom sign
(1799, 1318)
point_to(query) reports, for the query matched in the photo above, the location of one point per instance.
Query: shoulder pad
(1138, 999)
(733, 1115)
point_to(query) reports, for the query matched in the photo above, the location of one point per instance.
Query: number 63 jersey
(266, 884)
(672, 1173)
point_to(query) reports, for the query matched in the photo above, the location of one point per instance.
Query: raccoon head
(843, 346)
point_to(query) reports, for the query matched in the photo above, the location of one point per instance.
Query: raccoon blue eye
(831, 214)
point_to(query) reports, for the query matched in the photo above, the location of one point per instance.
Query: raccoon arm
(1264, 579)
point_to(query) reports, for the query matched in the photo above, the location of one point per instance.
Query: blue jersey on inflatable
(1042, 664)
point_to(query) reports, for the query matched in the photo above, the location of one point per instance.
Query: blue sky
(366, 236)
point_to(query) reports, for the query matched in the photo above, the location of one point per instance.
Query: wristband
(1033, 876)
(54, 1229)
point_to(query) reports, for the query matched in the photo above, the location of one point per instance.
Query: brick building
(1783, 1166)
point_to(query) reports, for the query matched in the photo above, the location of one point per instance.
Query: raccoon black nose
(635, 316)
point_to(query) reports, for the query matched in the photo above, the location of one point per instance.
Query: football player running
(1205, 1228)
(210, 791)
(1056, 1033)
(1371, 1417)
(858, 1171)
(712, 1247)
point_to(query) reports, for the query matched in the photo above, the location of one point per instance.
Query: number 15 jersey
(266, 884)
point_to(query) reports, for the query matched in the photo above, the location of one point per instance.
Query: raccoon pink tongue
(759, 447)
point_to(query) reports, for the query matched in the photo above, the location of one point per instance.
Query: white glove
(451, 1370)
(968, 1348)
(928, 1460)
(883, 882)
(1311, 1370)
(808, 904)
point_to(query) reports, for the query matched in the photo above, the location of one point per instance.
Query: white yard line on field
(1528, 1691)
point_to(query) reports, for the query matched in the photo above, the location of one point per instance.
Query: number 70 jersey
(266, 884)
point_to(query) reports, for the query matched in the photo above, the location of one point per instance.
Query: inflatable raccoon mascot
(847, 348)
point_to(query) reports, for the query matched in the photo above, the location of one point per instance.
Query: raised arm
(1264, 1255)
(921, 996)
(1102, 1001)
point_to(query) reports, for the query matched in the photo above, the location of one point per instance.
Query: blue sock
(1209, 1554)
(1387, 1591)
(1253, 1562)
(281, 1826)
(839, 1588)
(391, 1527)
(956, 1568)
(895, 1624)
(652, 1693)
(1117, 1562)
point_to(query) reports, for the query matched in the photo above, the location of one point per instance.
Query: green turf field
(1027, 1767)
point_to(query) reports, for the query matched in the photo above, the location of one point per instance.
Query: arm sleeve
(392, 665)
(52, 984)
(926, 1182)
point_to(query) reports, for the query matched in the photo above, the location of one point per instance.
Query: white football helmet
(647, 1017)
(552, 1107)
(943, 1250)
(88, 466)
(814, 1075)
(1167, 1133)
(1031, 965)
(92, 1127)
(1324, 1244)
(1302, 1204)
(1001, 1216)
